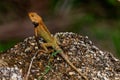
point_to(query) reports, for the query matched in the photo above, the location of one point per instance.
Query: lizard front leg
(36, 37)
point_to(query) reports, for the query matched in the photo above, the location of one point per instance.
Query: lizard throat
(35, 24)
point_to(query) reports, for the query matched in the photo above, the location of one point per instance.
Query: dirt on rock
(25, 58)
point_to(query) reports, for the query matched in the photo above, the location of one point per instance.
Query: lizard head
(35, 18)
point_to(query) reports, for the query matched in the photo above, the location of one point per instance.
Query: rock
(89, 60)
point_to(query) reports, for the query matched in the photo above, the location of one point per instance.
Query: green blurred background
(97, 19)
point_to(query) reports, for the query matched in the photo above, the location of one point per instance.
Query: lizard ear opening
(35, 24)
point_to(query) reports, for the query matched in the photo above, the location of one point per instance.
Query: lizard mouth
(35, 24)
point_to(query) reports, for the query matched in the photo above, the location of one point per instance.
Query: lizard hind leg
(45, 46)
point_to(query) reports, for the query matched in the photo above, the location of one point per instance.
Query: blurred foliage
(13, 9)
(116, 41)
(108, 7)
(78, 23)
(5, 45)
(100, 33)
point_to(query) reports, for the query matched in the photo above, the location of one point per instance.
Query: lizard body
(42, 31)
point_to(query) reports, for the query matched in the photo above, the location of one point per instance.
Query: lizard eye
(32, 15)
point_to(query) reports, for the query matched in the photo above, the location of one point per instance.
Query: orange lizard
(42, 31)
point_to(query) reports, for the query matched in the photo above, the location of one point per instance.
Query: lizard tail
(66, 59)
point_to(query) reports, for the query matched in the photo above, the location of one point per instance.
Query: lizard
(40, 30)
